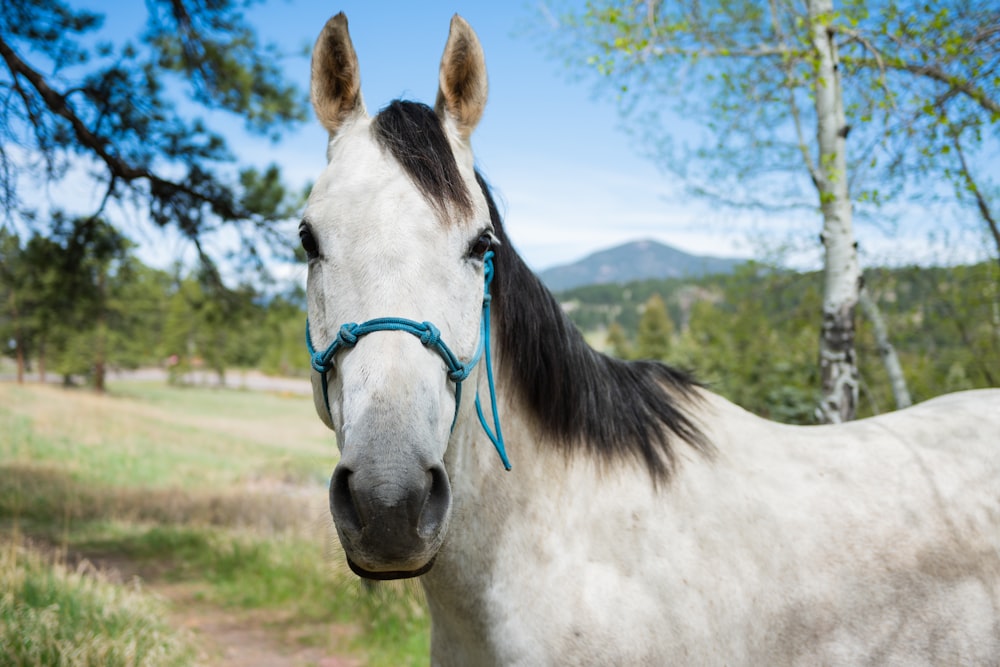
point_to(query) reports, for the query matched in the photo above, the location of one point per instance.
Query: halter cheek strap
(323, 361)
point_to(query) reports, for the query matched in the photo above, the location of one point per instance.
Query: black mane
(577, 397)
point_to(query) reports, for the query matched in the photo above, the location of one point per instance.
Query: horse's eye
(481, 246)
(308, 242)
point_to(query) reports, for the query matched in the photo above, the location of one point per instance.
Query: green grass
(50, 615)
(285, 572)
(221, 491)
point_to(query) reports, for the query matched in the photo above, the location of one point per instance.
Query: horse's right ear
(335, 88)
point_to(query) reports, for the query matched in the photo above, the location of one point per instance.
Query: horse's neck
(493, 512)
(486, 496)
(506, 526)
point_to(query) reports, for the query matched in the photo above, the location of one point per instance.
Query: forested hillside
(752, 335)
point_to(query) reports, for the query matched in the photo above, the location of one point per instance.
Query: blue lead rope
(323, 362)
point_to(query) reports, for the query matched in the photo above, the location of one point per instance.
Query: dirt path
(232, 637)
(253, 639)
(251, 379)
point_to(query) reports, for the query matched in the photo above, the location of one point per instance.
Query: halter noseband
(430, 336)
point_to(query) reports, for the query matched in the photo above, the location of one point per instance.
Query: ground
(244, 639)
(225, 635)
(228, 637)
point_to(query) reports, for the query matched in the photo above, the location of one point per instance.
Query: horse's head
(398, 235)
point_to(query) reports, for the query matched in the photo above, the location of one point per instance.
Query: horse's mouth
(389, 574)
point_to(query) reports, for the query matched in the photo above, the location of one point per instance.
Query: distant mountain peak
(642, 259)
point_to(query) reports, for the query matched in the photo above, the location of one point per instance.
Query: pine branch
(161, 188)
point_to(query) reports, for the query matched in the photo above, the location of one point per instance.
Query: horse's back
(882, 535)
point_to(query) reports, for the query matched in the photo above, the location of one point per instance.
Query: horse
(643, 519)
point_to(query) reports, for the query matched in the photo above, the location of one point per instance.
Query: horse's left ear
(462, 81)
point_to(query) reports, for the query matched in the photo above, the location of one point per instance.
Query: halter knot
(319, 363)
(347, 335)
(431, 335)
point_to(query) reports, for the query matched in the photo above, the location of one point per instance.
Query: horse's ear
(336, 82)
(462, 82)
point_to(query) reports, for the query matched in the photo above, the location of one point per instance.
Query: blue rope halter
(430, 336)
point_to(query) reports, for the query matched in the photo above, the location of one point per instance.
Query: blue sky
(568, 178)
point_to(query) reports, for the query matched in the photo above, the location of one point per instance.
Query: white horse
(646, 521)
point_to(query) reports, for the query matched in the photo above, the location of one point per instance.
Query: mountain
(638, 260)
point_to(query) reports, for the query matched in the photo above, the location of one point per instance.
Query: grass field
(167, 505)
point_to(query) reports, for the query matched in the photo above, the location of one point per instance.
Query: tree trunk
(842, 275)
(41, 361)
(890, 359)
(19, 355)
(18, 337)
(100, 334)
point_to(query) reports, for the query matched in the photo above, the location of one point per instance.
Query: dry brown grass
(44, 493)
(151, 436)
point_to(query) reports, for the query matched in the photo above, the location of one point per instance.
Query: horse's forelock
(412, 133)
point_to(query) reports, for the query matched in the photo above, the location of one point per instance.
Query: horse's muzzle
(391, 521)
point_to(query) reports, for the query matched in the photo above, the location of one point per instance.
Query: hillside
(638, 260)
(752, 334)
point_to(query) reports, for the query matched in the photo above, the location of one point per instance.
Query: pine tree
(656, 330)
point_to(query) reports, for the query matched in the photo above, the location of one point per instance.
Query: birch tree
(851, 104)
(837, 364)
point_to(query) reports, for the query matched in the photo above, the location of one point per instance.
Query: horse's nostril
(342, 505)
(436, 504)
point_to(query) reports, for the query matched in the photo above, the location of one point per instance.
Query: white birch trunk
(890, 359)
(838, 368)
